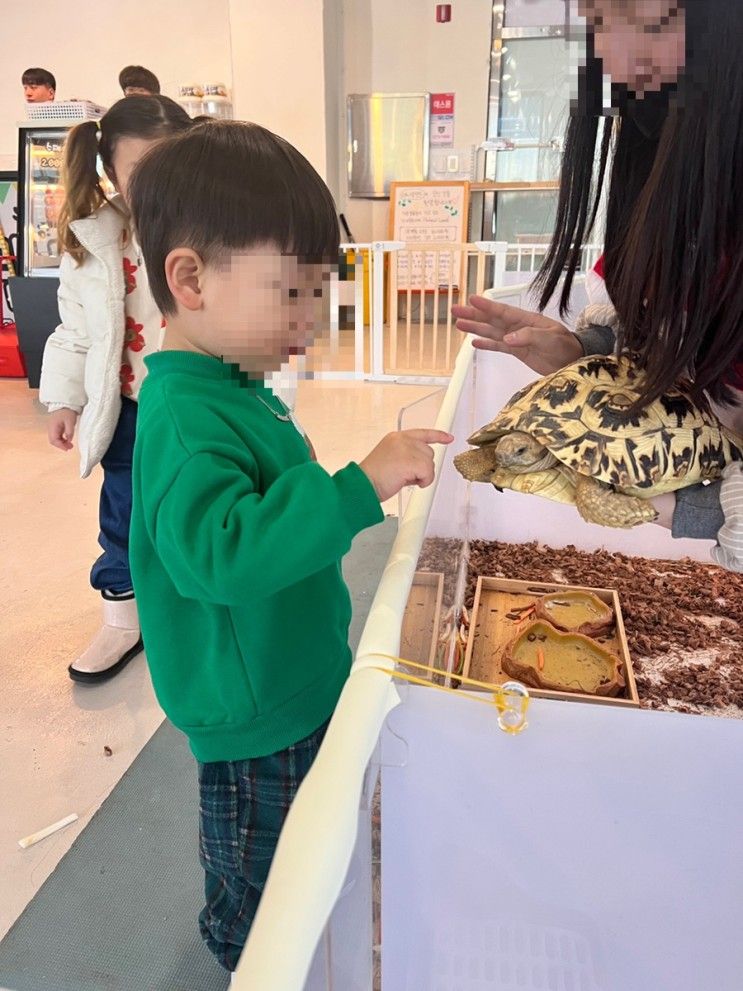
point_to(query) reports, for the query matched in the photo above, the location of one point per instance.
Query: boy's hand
(401, 459)
(61, 428)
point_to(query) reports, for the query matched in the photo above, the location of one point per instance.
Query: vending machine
(40, 195)
(40, 192)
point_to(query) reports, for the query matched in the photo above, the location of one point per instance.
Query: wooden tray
(420, 625)
(490, 631)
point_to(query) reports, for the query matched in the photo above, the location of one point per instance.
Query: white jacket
(82, 358)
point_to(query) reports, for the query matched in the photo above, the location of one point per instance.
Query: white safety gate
(408, 334)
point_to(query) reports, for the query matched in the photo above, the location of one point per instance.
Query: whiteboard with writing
(425, 212)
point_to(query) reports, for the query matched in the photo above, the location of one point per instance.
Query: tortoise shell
(580, 414)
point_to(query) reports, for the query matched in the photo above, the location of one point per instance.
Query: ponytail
(83, 191)
(134, 116)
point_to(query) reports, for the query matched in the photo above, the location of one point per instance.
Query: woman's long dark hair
(134, 116)
(674, 222)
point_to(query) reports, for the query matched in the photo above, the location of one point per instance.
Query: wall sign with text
(442, 120)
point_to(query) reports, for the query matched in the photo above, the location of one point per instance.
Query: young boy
(237, 535)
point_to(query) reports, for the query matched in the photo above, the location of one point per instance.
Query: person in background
(135, 80)
(39, 85)
(237, 534)
(670, 282)
(94, 361)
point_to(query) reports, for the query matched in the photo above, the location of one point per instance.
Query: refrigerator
(40, 198)
(40, 195)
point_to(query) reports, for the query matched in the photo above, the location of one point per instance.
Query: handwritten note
(429, 212)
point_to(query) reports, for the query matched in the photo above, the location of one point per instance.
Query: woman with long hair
(671, 152)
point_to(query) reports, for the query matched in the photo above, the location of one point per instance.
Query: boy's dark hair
(227, 186)
(139, 77)
(38, 77)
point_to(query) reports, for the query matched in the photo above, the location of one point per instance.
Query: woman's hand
(544, 345)
(665, 506)
(61, 430)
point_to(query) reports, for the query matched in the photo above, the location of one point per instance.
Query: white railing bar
(358, 313)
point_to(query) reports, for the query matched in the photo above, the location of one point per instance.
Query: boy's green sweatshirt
(236, 543)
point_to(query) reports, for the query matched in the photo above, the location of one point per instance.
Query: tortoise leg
(599, 503)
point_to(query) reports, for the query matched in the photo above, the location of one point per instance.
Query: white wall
(277, 49)
(335, 134)
(290, 64)
(279, 73)
(85, 43)
(396, 46)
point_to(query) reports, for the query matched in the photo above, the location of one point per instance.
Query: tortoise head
(478, 464)
(520, 452)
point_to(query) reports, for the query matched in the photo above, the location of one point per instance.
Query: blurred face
(641, 43)
(255, 309)
(127, 154)
(37, 93)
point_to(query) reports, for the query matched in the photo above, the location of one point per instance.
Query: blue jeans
(111, 570)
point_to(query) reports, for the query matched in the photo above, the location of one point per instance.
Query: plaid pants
(243, 805)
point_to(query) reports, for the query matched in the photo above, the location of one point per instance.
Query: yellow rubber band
(500, 694)
(424, 667)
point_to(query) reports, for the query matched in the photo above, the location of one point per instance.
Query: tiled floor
(53, 734)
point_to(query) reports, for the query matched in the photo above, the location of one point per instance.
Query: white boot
(115, 644)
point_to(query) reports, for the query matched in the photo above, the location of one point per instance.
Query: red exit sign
(442, 103)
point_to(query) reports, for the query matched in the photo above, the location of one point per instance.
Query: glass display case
(38, 251)
(40, 198)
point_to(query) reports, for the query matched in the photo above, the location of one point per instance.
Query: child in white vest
(94, 361)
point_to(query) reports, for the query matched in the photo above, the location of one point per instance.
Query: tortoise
(575, 437)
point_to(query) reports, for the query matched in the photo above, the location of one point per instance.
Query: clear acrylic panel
(415, 416)
(444, 548)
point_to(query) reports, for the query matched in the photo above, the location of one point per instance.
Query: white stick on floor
(43, 833)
